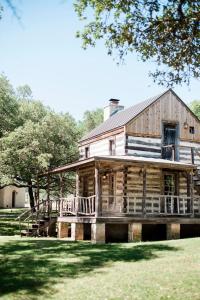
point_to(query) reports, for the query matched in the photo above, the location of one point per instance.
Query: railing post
(61, 207)
(173, 152)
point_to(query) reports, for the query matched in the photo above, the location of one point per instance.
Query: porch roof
(163, 163)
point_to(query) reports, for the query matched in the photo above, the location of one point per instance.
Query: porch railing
(77, 206)
(157, 205)
(129, 205)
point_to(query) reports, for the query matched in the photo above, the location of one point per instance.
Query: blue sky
(44, 53)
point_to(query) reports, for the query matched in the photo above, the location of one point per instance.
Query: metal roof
(123, 158)
(121, 118)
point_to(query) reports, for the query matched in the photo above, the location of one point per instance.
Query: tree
(195, 107)
(9, 108)
(24, 92)
(34, 148)
(91, 119)
(167, 32)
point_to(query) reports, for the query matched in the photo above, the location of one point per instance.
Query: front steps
(43, 227)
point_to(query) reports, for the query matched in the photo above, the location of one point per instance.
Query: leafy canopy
(167, 32)
(91, 119)
(9, 108)
(33, 139)
(195, 107)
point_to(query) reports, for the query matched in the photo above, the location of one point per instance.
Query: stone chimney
(112, 108)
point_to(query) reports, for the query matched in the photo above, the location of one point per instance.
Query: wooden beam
(144, 191)
(191, 194)
(48, 193)
(97, 191)
(37, 193)
(125, 172)
(61, 185)
(77, 183)
(192, 155)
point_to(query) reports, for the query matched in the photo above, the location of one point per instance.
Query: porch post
(77, 183)
(191, 193)
(61, 194)
(144, 191)
(38, 193)
(97, 191)
(48, 193)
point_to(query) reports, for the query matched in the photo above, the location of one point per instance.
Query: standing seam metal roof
(121, 118)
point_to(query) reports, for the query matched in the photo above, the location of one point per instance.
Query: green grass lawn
(8, 224)
(38, 268)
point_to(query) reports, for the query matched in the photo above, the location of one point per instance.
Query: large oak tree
(166, 32)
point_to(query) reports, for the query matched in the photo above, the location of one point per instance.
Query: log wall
(101, 146)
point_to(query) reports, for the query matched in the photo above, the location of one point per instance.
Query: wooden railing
(43, 208)
(130, 205)
(172, 152)
(153, 205)
(77, 206)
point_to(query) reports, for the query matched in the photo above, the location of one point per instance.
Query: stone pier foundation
(173, 231)
(98, 234)
(135, 232)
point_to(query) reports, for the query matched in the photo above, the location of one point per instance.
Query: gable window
(87, 152)
(111, 147)
(191, 129)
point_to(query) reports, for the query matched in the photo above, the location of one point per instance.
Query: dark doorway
(170, 136)
(189, 231)
(116, 233)
(154, 232)
(85, 186)
(13, 198)
(87, 231)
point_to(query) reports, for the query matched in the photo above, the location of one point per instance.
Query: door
(13, 198)
(169, 142)
(170, 189)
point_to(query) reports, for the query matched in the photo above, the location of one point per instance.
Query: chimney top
(114, 101)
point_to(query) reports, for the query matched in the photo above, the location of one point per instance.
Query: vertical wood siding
(168, 108)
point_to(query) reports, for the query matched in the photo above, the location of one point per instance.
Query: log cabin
(138, 175)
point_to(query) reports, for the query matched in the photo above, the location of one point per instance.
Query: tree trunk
(31, 196)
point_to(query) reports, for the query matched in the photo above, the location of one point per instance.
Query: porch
(111, 206)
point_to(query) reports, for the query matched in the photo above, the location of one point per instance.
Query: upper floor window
(111, 147)
(87, 152)
(191, 129)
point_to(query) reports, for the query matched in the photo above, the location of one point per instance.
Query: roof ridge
(128, 114)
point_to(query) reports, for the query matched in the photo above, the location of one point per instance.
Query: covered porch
(124, 186)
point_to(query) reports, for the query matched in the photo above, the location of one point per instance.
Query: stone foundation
(135, 232)
(98, 233)
(62, 230)
(77, 231)
(173, 231)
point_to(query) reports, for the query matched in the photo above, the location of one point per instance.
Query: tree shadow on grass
(34, 266)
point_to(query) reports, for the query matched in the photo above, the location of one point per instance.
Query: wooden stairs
(40, 220)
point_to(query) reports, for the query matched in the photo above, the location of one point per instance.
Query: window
(87, 152)
(111, 147)
(191, 129)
